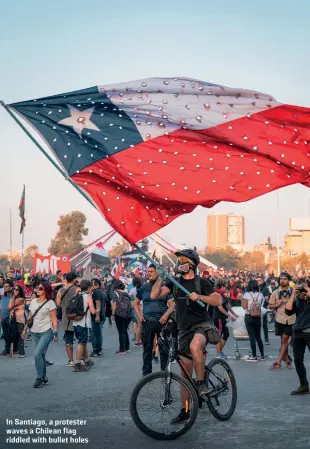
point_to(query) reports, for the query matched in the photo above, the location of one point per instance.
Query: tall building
(224, 230)
(297, 240)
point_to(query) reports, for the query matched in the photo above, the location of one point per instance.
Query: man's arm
(164, 318)
(290, 308)
(159, 291)
(58, 299)
(274, 303)
(214, 299)
(136, 306)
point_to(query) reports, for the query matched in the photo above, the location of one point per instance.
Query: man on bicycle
(193, 320)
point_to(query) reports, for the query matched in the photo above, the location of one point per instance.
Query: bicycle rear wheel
(222, 402)
(152, 412)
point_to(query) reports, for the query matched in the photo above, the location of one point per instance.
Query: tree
(68, 239)
(119, 249)
(29, 255)
(254, 261)
(226, 257)
(4, 263)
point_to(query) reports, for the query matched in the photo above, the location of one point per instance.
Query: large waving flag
(149, 151)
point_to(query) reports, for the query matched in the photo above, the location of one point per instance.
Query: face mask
(184, 268)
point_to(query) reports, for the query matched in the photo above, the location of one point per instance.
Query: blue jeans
(96, 336)
(41, 341)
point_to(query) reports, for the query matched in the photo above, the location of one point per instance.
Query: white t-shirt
(42, 321)
(250, 296)
(86, 320)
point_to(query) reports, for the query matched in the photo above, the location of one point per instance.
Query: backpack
(123, 305)
(75, 308)
(255, 309)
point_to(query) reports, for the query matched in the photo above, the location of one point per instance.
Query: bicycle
(171, 384)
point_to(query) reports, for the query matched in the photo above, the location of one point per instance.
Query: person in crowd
(235, 292)
(136, 323)
(155, 314)
(99, 299)
(5, 315)
(44, 329)
(283, 322)
(220, 315)
(1, 294)
(82, 327)
(299, 304)
(17, 319)
(122, 314)
(64, 295)
(252, 302)
(266, 294)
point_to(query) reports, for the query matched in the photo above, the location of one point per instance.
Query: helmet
(190, 254)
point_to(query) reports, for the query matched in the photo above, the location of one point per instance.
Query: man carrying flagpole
(23, 223)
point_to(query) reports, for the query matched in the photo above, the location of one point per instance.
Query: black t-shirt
(99, 295)
(217, 314)
(190, 312)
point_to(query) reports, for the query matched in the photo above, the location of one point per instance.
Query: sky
(53, 47)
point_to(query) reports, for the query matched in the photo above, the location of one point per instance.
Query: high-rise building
(297, 240)
(225, 230)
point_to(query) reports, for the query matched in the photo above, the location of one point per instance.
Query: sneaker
(97, 354)
(5, 353)
(203, 389)
(127, 350)
(120, 352)
(139, 343)
(70, 364)
(262, 358)
(182, 416)
(275, 365)
(252, 359)
(221, 356)
(267, 343)
(156, 360)
(89, 363)
(48, 363)
(21, 356)
(80, 368)
(39, 382)
(303, 389)
(45, 380)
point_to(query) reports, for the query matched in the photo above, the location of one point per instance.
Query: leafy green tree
(254, 261)
(227, 257)
(68, 239)
(119, 249)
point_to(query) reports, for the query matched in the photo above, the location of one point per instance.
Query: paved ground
(266, 415)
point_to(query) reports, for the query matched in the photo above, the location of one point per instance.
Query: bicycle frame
(175, 354)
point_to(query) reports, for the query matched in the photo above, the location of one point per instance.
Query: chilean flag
(149, 151)
(117, 269)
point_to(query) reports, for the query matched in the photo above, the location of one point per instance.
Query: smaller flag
(22, 211)
(117, 269)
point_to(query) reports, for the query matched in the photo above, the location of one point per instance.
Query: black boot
(182, 416)
(303, 389)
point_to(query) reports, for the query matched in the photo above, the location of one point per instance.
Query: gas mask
(184, 265)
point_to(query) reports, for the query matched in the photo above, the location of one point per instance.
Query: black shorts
(283, 329)
(186, 337)
(222, 328)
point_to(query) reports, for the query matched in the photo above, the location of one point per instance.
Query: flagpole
(278, 236)
(10, 237)
(22, 259)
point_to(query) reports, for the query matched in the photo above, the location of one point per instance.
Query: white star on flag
(79, 120)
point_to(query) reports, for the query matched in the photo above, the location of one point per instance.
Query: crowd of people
(35, 307)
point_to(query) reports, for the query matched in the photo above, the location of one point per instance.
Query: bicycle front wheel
(223, 399)
(155, 403)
